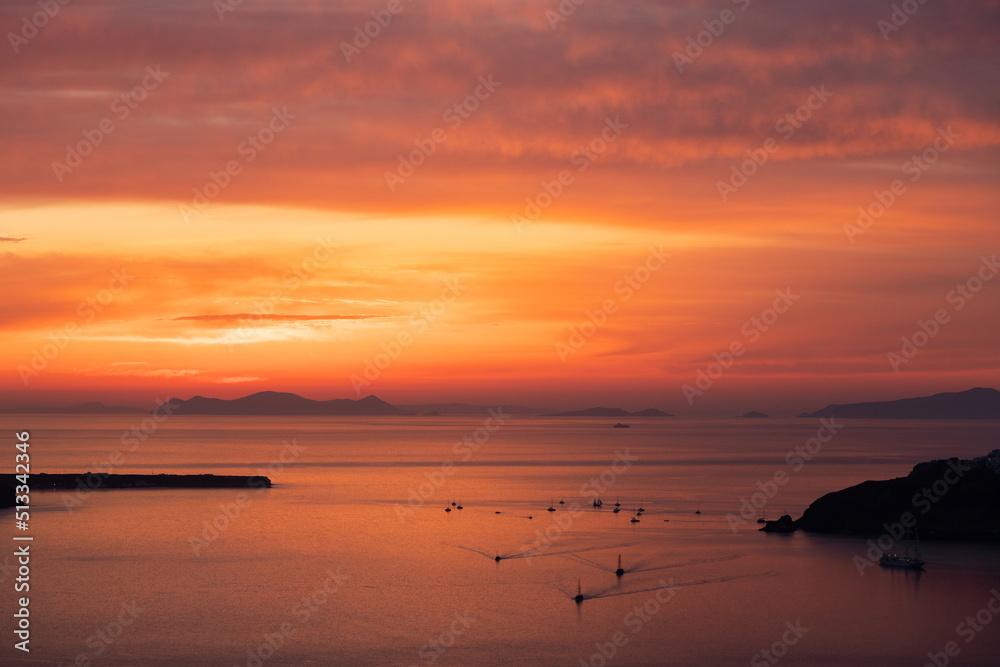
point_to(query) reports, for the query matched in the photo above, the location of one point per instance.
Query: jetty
(101, 480)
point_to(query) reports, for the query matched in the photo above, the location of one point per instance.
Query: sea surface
(351, 558)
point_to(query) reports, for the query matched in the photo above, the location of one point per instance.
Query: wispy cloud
(244, 317)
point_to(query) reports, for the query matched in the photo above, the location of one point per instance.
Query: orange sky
(309, 261)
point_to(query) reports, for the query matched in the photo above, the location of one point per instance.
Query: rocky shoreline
(90, 481)
(948, 499)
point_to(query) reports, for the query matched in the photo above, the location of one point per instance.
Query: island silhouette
(976, 403)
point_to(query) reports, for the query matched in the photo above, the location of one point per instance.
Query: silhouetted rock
(651, 412)
(978, 403)
(784, 524)
(101, 480)
(279, 403)
(945, 499)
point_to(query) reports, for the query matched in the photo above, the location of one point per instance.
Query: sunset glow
(510, 208)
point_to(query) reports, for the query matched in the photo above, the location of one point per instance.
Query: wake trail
(699, 561)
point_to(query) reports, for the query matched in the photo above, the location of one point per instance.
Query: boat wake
(616, 592)
(531, 553)
(639, 568)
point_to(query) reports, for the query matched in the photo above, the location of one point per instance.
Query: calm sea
(351, 559)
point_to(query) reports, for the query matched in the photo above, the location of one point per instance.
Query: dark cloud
(354, 119)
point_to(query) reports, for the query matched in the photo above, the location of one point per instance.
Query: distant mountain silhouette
(978, 403)
(611, 412)
(754, 415)
(280, 403)
(93, 407)
(469, 409)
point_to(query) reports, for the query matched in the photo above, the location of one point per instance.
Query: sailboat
(698, 511)
(579, 592)
(907, 562)
(551, 508)
(620, 571)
